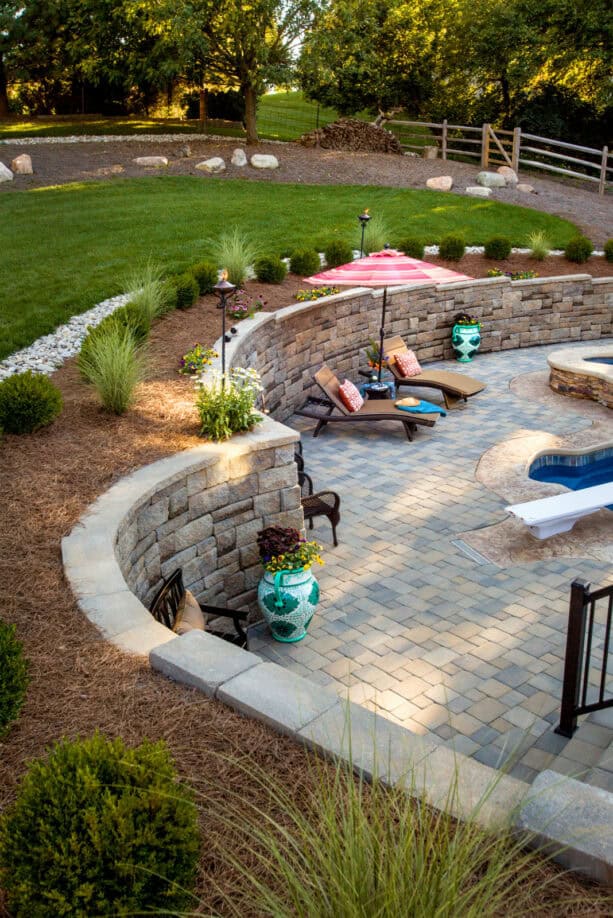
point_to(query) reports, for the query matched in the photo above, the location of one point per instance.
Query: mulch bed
(79, 683)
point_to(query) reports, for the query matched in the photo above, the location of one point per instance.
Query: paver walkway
(414, 624)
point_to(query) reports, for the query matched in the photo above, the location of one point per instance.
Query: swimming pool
(575, 470)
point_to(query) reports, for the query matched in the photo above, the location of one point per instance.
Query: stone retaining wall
(287, 347)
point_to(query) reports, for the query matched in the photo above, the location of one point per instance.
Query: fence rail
(496, 146)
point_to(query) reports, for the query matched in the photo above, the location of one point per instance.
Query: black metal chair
(321, 503)
(166, 603)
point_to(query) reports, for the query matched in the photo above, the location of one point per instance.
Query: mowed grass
(66, 248)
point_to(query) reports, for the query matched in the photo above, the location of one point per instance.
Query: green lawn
(66, 248)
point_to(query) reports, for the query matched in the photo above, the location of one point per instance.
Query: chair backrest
(166, 602)
(329, 384)
(391, 347)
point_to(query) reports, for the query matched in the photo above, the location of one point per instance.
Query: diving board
(549, 516)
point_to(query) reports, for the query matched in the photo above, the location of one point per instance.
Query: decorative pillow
(350, 396)
(408, 364)
(189, 615)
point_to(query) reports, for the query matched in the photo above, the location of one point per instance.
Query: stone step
(588, 756)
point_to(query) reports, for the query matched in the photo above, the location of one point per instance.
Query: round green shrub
(99, 829)
(206, 276)
(28, 401)
(452, 247)
(269, 269)
(14, 679)
(169, 296)
(304, 262)
(608, 250)
(498, 247)
(578, 250)
(338, 252)
(412, 246)
(187, 290)
(134, 319)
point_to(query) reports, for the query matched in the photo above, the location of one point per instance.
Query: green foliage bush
(115, 365)
(99, 829)
(608, 250)
(226, 404)
(578, 250)
(187, 290)
(452, 247)
(13, 677)
(206, 276)
(304, 262)
(338, 252)
(269, 269)
(412, 246)
(28, 401)
(168, 296)
(498, 247)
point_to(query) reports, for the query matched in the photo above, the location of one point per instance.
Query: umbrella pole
(382, 333)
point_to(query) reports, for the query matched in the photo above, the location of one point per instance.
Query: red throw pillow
(350, 396)
(408, 364)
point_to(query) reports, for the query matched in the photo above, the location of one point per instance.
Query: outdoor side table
(375, 390)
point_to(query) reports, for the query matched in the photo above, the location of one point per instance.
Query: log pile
(353, 135)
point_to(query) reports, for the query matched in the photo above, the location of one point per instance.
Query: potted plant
(466, 337)
(288, 592)
(373, 357)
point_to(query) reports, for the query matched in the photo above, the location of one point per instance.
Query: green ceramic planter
(466, 340)
(287, 600)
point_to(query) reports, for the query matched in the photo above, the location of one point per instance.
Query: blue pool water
(607, 360)
(575, 472)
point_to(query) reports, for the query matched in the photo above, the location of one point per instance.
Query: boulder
(264, 161)
(22, 165)
(185, 151)
(155, 161)
(440, 183)
(215, 164)
(239, 157)
(109, 170)
(430, 152)
(5, 173)
(525, 188)
(508, 174)
(478, 191)
(491, 180)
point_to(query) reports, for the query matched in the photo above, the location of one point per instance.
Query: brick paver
(412, 625)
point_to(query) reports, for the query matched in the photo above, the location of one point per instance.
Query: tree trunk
(250, 114)
(506, 99)
(202, 110)
(4, 102)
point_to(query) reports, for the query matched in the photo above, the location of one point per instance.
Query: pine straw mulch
(79, 683)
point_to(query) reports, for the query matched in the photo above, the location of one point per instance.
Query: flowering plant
(304, 296)
(196, 360)
(243, 306)
(373, 354)
(283, 549)
(463, 318)
(225, 402)
(514, 275)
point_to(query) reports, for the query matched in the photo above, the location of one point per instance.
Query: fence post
(579, 595)
(485, 146)
(603, 170)
(444, 140)
(516, 148)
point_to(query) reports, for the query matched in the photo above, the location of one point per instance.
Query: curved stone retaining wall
(288, 346)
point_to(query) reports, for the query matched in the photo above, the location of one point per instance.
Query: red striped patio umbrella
(386, 269)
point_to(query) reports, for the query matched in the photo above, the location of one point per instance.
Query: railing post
(444, 140)
(516, 148)
(603, 170)
(579, 595)
(485, 146)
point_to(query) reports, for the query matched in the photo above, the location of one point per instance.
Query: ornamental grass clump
(283, 549)
(235, 253)
(226, 402)
(539, 245)
(28, 401)
(13, 677)
(115, 365)
(376, 235)
(100, 829)
(146, 290)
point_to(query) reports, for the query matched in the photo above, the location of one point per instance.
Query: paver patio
(415, 623)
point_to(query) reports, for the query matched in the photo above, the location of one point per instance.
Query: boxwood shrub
(269, 269)
(28, 401)
(452, 247)
(338, 252)
(99, 829)
(14, 678)
(187, 290)
(304, 262)
(498, 247)
(411, 246)
(608, 250)
(578, 250)
(206, 276)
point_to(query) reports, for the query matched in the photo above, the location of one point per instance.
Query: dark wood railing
(582, 623)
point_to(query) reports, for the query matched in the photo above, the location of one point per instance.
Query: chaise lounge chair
(331, 408)
(454, 386)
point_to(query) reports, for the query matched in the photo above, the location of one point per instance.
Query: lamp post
(223, 288)
(363, 218)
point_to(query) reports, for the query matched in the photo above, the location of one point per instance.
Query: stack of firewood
(351, 134)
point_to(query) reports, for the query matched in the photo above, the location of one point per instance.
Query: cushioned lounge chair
(331, 409)
(455, 387)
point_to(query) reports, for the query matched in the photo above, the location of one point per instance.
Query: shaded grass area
(65, 248)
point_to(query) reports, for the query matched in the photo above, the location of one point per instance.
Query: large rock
(5, 173)
(478, 191)
(491, 180)
(239, 157)
(155, 161)
(22, 165)
(525, 188)
(440, 183)
(215, 164)
(508, 174)
(264, 161)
